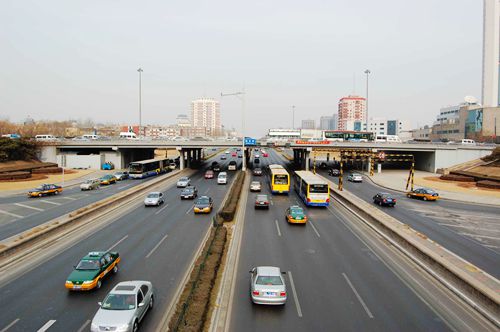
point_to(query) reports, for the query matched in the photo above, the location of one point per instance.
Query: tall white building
(205, 113)
(352, 113)
(491, 52)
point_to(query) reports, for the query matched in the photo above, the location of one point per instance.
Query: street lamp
(367, 72)
(241, 96)
(140, 99)
(293, 116)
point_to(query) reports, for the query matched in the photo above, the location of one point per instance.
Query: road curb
(222, 312)
(476, 287)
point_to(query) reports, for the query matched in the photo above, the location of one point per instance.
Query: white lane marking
(491, 246)
(11, 214)
(278, 227)
(10, 325)
(47, 325)
(70, 198)
(122, 187)
(163, 208)
(475, 228)
(368, 312)
(314, 228)
(49, 202)
(81, 329)
(208, 190)
(157, 245)
(296, 299)
(117, 243)
(28, 207)
(481, 236)
(272, 202)
(189, 210)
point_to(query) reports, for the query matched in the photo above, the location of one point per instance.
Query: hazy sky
(78, 59)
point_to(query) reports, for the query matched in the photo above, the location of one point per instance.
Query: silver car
(183, 182)
(90, 184)
(355, 177)
(267, 286)
(154, 198)
(255, 186)
(124, 307)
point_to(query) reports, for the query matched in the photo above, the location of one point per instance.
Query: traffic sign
(381, 155)
(250, 141)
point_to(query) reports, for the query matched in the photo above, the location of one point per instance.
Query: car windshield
(269, 280)
(153, 195)
(89, 181)
(183, 179)
(88, 264)
(119, 302)
(262, 197)
(429, 191)
(202, 200)
(280, 179)
(318, 188)
(255, 183)
(188, 190)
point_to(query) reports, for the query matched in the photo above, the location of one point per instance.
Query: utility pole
(140, 99)
(293, 116)
(367, 72)
(241, 96)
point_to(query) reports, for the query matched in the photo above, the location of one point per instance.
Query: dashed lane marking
(295, 297)
(314, 228)
(277, 227)
(163, 208)
(10, 325)
(47, 325)
(368, 312)
(49, 202)
(11, 214)
(28, 207)
(117, 243)
(82, 328)
(156, 246)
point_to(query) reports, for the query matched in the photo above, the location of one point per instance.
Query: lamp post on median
(241, 96)
(367, 72)
(293, 116)
(140, 99)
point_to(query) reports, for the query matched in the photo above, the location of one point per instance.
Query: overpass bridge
(428, 157)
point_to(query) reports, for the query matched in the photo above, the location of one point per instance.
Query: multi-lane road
(156, 244)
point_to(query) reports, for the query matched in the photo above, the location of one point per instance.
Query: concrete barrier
(473, 285)
(15, 242)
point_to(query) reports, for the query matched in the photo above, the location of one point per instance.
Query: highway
(339, 277)
(469, 230)
(156, 244)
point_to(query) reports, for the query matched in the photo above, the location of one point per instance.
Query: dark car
(262, 201)
(323, 165)
(223, 157)
(214, 163)
(189, 193)
(216, 168)
(257, 171)
(384, 199)
(334, 172)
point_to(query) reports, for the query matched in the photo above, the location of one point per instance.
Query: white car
(90, 184)
(222, 178)
(183, 182)
(355, 177)
(124, 307)
(154, 198)
(255, 186)
(232, 166)
(267, 286)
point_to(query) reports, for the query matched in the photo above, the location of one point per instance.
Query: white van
(222, 178)
(45, 138)
(90, 136)
(468, 142)
(127, 135)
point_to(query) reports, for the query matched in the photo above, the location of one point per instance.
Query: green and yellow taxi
(91, 269)
(45, 189)
(295, 215)
(108, 179)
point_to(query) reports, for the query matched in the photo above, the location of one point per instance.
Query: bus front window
(135, 168)
(318, 188)
(280, 179)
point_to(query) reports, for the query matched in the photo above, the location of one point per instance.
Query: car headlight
(88, 282)
(94, 327)
(124, 327)
(69, 281)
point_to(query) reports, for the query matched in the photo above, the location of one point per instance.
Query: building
(283, 134)
(422, 133)
(450, 123)
(328, 122)
(161, 131)
(182, 120)
(491, 53)
(352, 113)
(483, 124)
(397, 127)
(205, 113)
(335, 119)
(308, 124)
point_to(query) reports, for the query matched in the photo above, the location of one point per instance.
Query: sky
(78, 59)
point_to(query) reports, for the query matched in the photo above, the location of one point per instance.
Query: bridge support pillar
(181, 159)
(307, 159)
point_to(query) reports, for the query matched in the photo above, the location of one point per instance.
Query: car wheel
(425, 198)
(136, 326)
(56, 193)
(115, 269)
(40, 195)
(408, 195)
(99, 284)
(151, 302)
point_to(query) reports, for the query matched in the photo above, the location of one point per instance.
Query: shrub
(17, 149)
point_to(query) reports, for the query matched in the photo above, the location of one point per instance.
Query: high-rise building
(326, 123)
(491, 53)
(335, 121)
(308, 124)
(183, 120)
(352, 113)
(205, 113)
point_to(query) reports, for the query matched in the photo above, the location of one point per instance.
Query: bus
(346, 135)
(150, 167)
(313, 190)
(279, 179)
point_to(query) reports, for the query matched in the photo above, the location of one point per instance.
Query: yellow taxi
(108, 179)
(203, 204)
(423, 193)
(45, 189)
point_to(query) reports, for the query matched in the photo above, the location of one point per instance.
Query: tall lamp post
(367, 72)
(293, 116)
(241, 96)
(140, 99)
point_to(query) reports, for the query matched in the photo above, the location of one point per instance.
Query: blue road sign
(250, 141)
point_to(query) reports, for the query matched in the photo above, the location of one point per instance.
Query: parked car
(45, 189)
(257, 171)
(295, 215)
(124, 307)
(222, 178)
(232, 166)
(154, 198)
(90, 184)
(384, 199)
(121, 175)
(108, 179)
(108, 166)
(267, 285)
(183, 182)
(334, 172)
(209, 174)
(255, 186)
(423, 193)
(91, 269)
(355, 177)
(189, 193)
(203, 204)
(262, 201)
